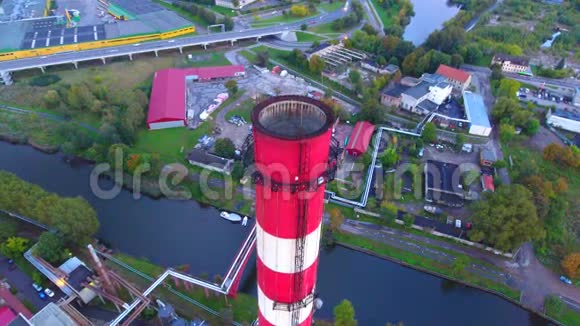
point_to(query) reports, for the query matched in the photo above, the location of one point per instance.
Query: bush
(44, 80)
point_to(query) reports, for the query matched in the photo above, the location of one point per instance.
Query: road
(23, 283)
(96, 54)
(372, 17)
(475, 20)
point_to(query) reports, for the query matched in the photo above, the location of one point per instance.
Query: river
(172, 233)
(429, 16)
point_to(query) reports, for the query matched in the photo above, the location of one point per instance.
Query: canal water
(173, 233)
(429, 16)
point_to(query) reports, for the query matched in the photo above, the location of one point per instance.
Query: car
(37, 287)
(49, 292)
(41, 295)
(421, 152)
(566, 280)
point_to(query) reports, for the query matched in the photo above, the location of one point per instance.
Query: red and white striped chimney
(291, 146)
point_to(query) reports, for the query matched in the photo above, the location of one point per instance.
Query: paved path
(23, 283)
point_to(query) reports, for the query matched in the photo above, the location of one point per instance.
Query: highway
(153, 46)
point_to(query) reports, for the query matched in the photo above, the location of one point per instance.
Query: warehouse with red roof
(360, 138)
(456, 77)
(167, 104)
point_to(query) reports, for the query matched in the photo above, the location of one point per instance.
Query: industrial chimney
(291, 152)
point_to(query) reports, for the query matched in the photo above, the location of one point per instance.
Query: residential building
(487, 157)
(374, 67)
(167, 104)
(230, 3)
(208, 161)
(425, 91)
(564, 119)
(391, 95)
(476, 114)
(512, 64)
(360, 138)
(459, 79)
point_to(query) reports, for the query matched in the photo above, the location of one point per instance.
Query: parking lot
(88, 10)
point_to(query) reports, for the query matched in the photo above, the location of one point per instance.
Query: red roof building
(6, 316)
(360, 138)
(487, 181)
(456, 77)
(167, 104)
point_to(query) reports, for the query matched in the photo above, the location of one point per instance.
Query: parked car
(566, 280)
(37, 287)
(421, 152)
(41, 295)
(49, 292)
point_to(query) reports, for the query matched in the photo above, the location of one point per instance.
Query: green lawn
(424, 263)
(282, 19)
(248, 55)
(330, 7)
(171, 144)
(557, 309)
(386, 15)
(244, 110)
(328, 28)
(222, 11)
(307, 37)
(208, 60)
(244, 306)
(187, 15)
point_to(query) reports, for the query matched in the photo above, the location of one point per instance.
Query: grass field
(244, 110)
(425, 263)
(386, 15)
(198, 21)
(327, 29)
(248, 55)
(282, 19)
(244, 306)
(208, 60)
(171, 144)
(307, 37)
(330, 7)
(222, 11)
(557, 309)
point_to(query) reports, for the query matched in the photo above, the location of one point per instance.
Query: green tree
(459, 141)
(8, 228)
(75, 219)
(262, 58)
(532, 126)
(390, 157)
(344, 314)
(408, 219)
(354, 77)
(508, 88)
(506, 132)
(389, 211)
(50, 247)
(79, 97)
(224, 147)
(232, 86)
(316, 65)
(134, 117)
(336, 219)
(429, 134)
(14, 247)
(506, 218)
(459, 265)
(299, 11)
(52, 99)
(303, 27)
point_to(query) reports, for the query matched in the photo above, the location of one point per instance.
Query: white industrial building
(476, 114)
(425, 97)
(564, 119)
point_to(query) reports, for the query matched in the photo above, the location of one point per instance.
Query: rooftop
(453, 73)
(419, 90)
(475, 109)
(427, 105)
(520, 61)
(487, 155)
(52, 315)
(395, 90)
(566, 114)
(79, 276)
(203, 157)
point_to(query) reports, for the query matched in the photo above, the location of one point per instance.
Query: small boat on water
(231, 216)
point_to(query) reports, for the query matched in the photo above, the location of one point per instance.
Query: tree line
(73, 218)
